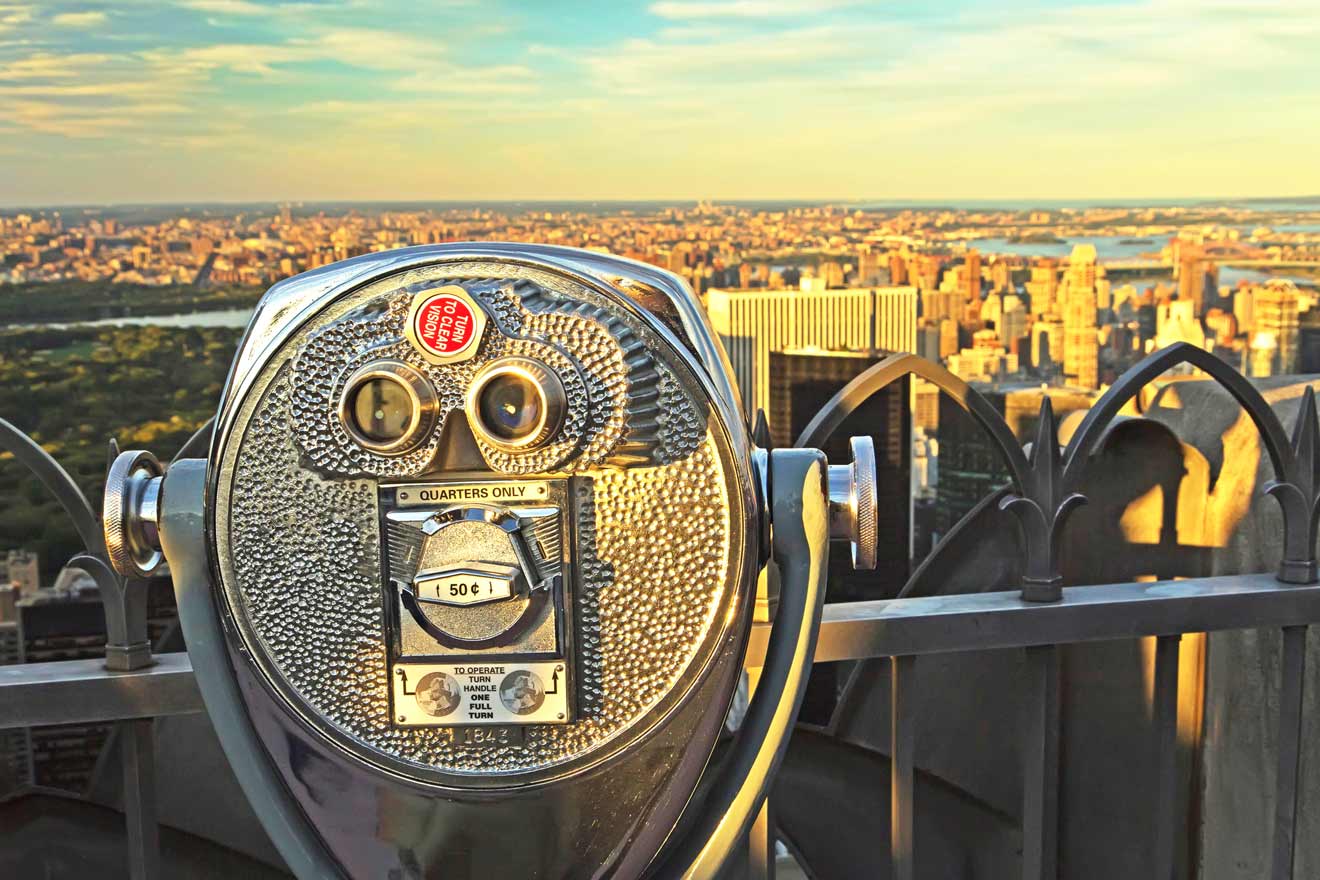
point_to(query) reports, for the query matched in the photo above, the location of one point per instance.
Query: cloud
(259, 59)
(684, 10)
(11, 16)
(422, 62)
(355, 47)
(122, 89)
(78, 120)
(755, 64)
(506, 79)
(1122, 60)
(231, 7)
(87, 95)
(49, 65)
(253, 9)
(79, 19)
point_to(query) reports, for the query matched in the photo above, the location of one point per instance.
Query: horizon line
(1098, 201)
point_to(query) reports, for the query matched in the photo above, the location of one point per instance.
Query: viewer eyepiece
(388, 407)
(516, 404)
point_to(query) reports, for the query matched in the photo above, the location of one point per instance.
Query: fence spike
(1298, 493)
(1042, 509)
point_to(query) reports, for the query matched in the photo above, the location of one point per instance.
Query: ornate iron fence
(1045, 489)
(131, 687)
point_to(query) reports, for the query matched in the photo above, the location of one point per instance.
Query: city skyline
(237, 100)
(1073, 295)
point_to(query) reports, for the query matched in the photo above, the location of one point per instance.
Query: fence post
(1286, 786)
(1040, 789)
(902, 747)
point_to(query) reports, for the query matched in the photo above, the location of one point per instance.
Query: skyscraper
(868, 267)
(898, 268)
(1196, 276)
(64, 622)
(1081, 348)
(20, 569)
(1001, 276)
(940, 304)
(948, 337)
(1012, 323)
(972, 276)
(1261, 355)
(1047, 344)
(928, 339)
(753, 323)
(1043, 286)
(14, 768)
(830, 273)
(1242, 308)
(924, 271)
(970, 465)
(1082, 270)
(1275, 308)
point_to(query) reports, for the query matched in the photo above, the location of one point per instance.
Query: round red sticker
(444, 324)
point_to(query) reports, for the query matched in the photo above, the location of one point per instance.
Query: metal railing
(905, 629)
(1046, 483)
(83, 691)
(131, 689)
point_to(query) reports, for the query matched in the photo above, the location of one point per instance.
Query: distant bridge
(1269, 264)
(1126, 270)
(1135, 265)
(1159, 267)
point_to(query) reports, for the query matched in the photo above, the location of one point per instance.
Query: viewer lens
(388, 407)
(510, 407)
(516, 404)
(382, 410)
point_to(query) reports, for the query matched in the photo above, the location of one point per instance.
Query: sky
(249, 100)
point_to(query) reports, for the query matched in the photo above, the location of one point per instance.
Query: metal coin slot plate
(480, 693)
(475, 564)
(524, 678)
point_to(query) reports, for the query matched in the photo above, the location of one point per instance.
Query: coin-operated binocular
(468, 575)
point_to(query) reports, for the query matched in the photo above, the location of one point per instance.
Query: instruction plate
(461, 694)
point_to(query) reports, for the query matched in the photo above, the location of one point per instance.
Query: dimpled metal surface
(298, 542)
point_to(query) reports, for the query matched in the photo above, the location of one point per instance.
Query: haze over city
(231, 100)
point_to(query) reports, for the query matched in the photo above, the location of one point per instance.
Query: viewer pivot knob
(853, 511)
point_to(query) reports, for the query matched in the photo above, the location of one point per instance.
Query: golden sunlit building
(1275, 313)
(753, 323)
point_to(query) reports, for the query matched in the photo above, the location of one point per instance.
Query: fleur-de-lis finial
(1298, 495)
(1042, 508)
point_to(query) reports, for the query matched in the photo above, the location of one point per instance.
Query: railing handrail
(983, 621)
(84, 691)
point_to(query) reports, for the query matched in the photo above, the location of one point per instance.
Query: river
(218, 318)
(1113, 247)
(1107, 247)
